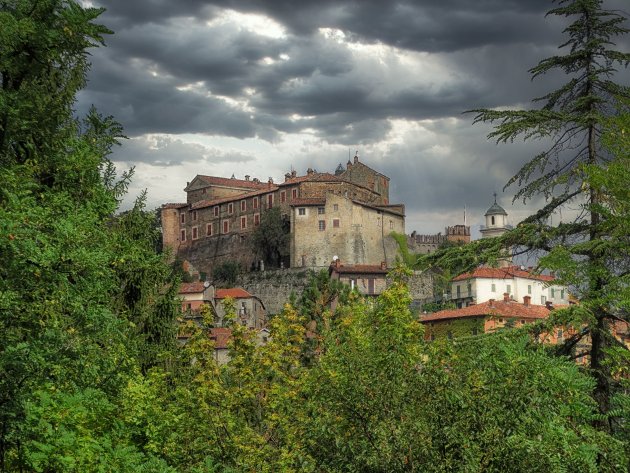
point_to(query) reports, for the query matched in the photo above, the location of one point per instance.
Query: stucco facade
(216, 222)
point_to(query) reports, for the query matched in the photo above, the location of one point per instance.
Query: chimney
(549, 305)
(309, 171)
(491, 302)
(383, 265)
(506, 297)
(293, 173)
(527, 300)
(356, 158)
(287, 176)
(246, 177)
(270, 181)
(337, 263)
(256, 180)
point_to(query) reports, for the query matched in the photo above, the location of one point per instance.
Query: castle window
(230, 208)
(294, 193)
(226, 226)
(321, 210)
(283, 196)
(209, 229)
(182, 218)
(322, 225)
(256, 220)
(492, 219)
(216, 210)
(194, 215)
(203, 191)
(195, 233)
(243, 205)
(182, 235)
(391, 224)
(270, 201)
(336, 223)
(255, 202)
(243, 222)
(301, 211)
(336, 207)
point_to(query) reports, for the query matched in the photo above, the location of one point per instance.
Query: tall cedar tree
(585, 252)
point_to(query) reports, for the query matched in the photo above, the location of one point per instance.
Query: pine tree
(572, 119)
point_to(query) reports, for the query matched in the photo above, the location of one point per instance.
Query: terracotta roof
(171, 205)
(503, 273)
(509, 309)
(210, 203)
(360, 269)
(229, 182)
(307, 202)
(220, 336)
(191, 287)
(382, 208)
(235, 293)
(314, 177)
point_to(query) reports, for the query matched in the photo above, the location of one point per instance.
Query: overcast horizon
(236, 87)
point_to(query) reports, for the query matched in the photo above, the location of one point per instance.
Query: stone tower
(496, 221)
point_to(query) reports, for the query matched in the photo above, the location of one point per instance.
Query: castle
(346, 214)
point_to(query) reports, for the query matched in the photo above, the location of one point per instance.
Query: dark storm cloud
(178, 67)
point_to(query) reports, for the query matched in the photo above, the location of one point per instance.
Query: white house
(484, 284)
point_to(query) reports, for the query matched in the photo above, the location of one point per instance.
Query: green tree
(227, 273)
(583, 252)
(271, 237)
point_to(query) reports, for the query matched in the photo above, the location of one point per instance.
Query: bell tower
(496, 221)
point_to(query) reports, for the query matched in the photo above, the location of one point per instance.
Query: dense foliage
(90, 379)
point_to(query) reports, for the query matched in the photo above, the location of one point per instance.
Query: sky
(236, 87)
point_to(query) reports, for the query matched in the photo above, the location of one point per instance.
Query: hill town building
(347, 214)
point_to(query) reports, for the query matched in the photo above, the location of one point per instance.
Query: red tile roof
(504, 273)
(235, 293)
(220, 336)
(360, 269)
(229, 182)
(314, 177)
(191, 287)
(509, 309)
(307, 202)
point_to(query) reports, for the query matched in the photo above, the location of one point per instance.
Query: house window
(370, 286)
(493, 288)
(508, 289)
(256, 220)
(301, 211)
(322, 225)
(243, 222)
(230, 208)
(459, 291)
(209, 229)
(522, 321)
(182, 218)
(474, 331)
(553, 293)
(500, 320)
(255, 202)
(560, 334)
(469, 287)
(294, 193)
(336, 207)
(226, 226)
(194, 215)
(449, 335)
(270, 200)
(543, 299)
(283, 196)
(243, 205)
(216, 210)
(561, 293)
(529, 289)
(321, 210)
(195, 233)
(391, 225)
(203, 191)
(182, 235)
(335, 223)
